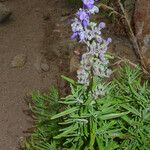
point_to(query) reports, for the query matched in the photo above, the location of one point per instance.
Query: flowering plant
(96, 115)
(94, 62)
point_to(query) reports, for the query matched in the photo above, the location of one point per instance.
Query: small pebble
(45, 67)
(19, 60)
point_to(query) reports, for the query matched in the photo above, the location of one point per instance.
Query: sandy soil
(29, 32)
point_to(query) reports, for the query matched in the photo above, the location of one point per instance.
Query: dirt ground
(31, 31)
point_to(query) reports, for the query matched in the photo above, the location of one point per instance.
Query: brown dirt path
(23, 34)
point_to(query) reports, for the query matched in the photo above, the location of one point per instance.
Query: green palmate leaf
(109, 56)
(68, 102)
(85, 130)
(100, 143)
(118, 135)
(111, 146)
(68, 128)
(93, 129)
(130, 121)
(131, 109)
(73, 89)
(66, 112)
(108, 110)
(106, 126)
(81, 117)
(146, 114)
(68, 132)
(80, 144)
(66, 122)
(27, 146)
(96, 80)
(69, 80)
(68, 140)
(113, 115)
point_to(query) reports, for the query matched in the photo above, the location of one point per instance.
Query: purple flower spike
(102, 25)
(94, 59)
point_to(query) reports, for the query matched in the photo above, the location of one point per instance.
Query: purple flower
(99, 40)
(102, 56)
(84, 17)
(109, 40)
(102, 25)
(74, 35)
(93, 10)
(82, 36)
(88, 3)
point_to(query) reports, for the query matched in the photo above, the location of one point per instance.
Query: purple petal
(82, 36)
(102, 25)
(109, 40)
(99, 40)
(90, 6)
(85, 23)
(74, 36)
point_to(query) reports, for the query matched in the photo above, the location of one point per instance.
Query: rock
(122, 47)
(129, 7)
(19, 60)
(4, 13)
(41, 63)
(45, 67)
(37, 64)
(142, 26)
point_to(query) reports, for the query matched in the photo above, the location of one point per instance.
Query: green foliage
(135, 99)
(43, 108)
(119, 120)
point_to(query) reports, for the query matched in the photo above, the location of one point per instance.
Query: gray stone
(19, 60)
(45, 67)
(142, 27)
(4, 13)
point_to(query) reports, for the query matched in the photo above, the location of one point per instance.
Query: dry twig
(131, 33)
(105, 7)
(133, 38)
(124, 60)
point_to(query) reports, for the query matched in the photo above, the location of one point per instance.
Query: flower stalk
(94, 61)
